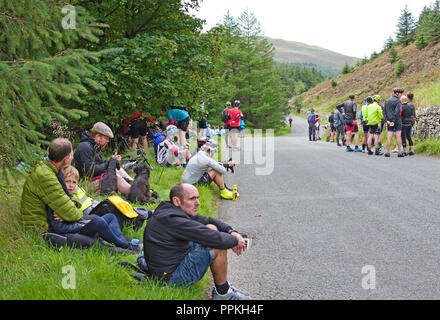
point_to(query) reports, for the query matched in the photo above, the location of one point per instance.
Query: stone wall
(428, 122)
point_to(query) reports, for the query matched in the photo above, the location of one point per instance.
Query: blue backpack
(158, 138)
(311, 119)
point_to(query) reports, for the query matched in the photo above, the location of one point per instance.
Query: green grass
(427, 96)
(30, 269)
(428, 147)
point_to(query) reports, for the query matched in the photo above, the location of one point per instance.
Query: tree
(346, 69)
(392, 55)
(428, 30)
(405, 27)
(43, 77)
(400, 67)
(389, 43)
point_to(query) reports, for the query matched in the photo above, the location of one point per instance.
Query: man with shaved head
(180, 245)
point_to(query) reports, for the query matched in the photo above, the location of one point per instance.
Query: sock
(364, 146)
(222, 289)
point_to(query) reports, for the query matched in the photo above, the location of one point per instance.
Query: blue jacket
(311, 119)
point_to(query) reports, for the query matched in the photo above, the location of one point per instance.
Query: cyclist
(408, 120)
(351, 124)
(373, 115)
(364, 123)
(394, 121)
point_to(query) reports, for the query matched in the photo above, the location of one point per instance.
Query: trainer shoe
(400, 155)
(411, 153)
(226, 194)
(378, 153)
(370, 153)
(349, 149)
(395, 150)
(232, 294)
(387, 155)
(357, 149)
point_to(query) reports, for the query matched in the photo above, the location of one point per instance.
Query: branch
(156, 11)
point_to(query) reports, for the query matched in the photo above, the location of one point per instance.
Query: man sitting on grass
(181, 245)
(202, 169)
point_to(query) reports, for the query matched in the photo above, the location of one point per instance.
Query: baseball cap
(210, 145)
(103, 129)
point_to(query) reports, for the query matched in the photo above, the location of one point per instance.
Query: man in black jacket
(181, 245)
(350, 109)
(394, 121)
(88, 159)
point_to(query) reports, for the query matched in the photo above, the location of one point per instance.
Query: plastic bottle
(234, 193)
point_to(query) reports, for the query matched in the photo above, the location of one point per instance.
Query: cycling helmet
(237, 102)
(228, 104)
(171, 130)
(377, 98)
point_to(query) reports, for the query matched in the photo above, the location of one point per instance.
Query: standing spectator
(312, 128)
(137, 126)
(181, 119)
(226, 121)
(331, 121)
(408, 120)
(373, 115)
(318, 126)
(339, 123)
(394, 121)
(350, 109)
(235, 115)
(203, 123)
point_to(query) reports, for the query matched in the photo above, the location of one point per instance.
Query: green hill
(301, 53)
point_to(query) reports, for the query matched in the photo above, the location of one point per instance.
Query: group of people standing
(397, 116)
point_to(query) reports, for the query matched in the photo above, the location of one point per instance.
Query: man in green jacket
(374, 115)
(42, 189)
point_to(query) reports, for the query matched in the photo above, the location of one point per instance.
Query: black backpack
(224, 115)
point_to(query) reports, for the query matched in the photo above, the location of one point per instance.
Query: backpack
(123, 210)
(224, 115)
(311, 119)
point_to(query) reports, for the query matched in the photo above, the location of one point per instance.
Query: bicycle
(129, 162)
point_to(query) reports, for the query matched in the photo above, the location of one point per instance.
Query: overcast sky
(352, 27)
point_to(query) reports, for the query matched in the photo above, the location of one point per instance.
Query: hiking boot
(232, 294)
(226, 194)
(387, 155)
(349, 149)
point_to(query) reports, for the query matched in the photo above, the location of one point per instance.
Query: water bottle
(234, 193)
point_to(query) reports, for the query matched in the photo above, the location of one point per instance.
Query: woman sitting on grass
(107, 226)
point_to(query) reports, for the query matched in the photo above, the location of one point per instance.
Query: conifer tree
(42, 75)
(405, 27)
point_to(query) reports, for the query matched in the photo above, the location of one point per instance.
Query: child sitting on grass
(106, 226)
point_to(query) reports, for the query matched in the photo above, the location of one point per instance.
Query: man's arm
(88, 159)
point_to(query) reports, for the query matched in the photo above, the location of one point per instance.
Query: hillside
(421, 75)
(300, 53)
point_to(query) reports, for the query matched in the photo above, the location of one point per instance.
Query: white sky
(351, 27)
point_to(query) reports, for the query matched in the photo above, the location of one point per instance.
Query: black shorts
(184, 124)
(375, 129)
(205, 180)
(138, 128)
(366, 128)
(203, 124)
(333, 129)
(397, 127)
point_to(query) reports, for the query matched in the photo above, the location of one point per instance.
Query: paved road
(323, 215)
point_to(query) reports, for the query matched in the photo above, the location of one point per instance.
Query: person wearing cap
(203, 170)
(88, 159)
(394, 121)
(168, 153)
(228, 107)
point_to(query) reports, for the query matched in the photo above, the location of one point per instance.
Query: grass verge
(31, 270)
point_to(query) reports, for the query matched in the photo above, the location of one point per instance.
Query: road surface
(327, 224)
